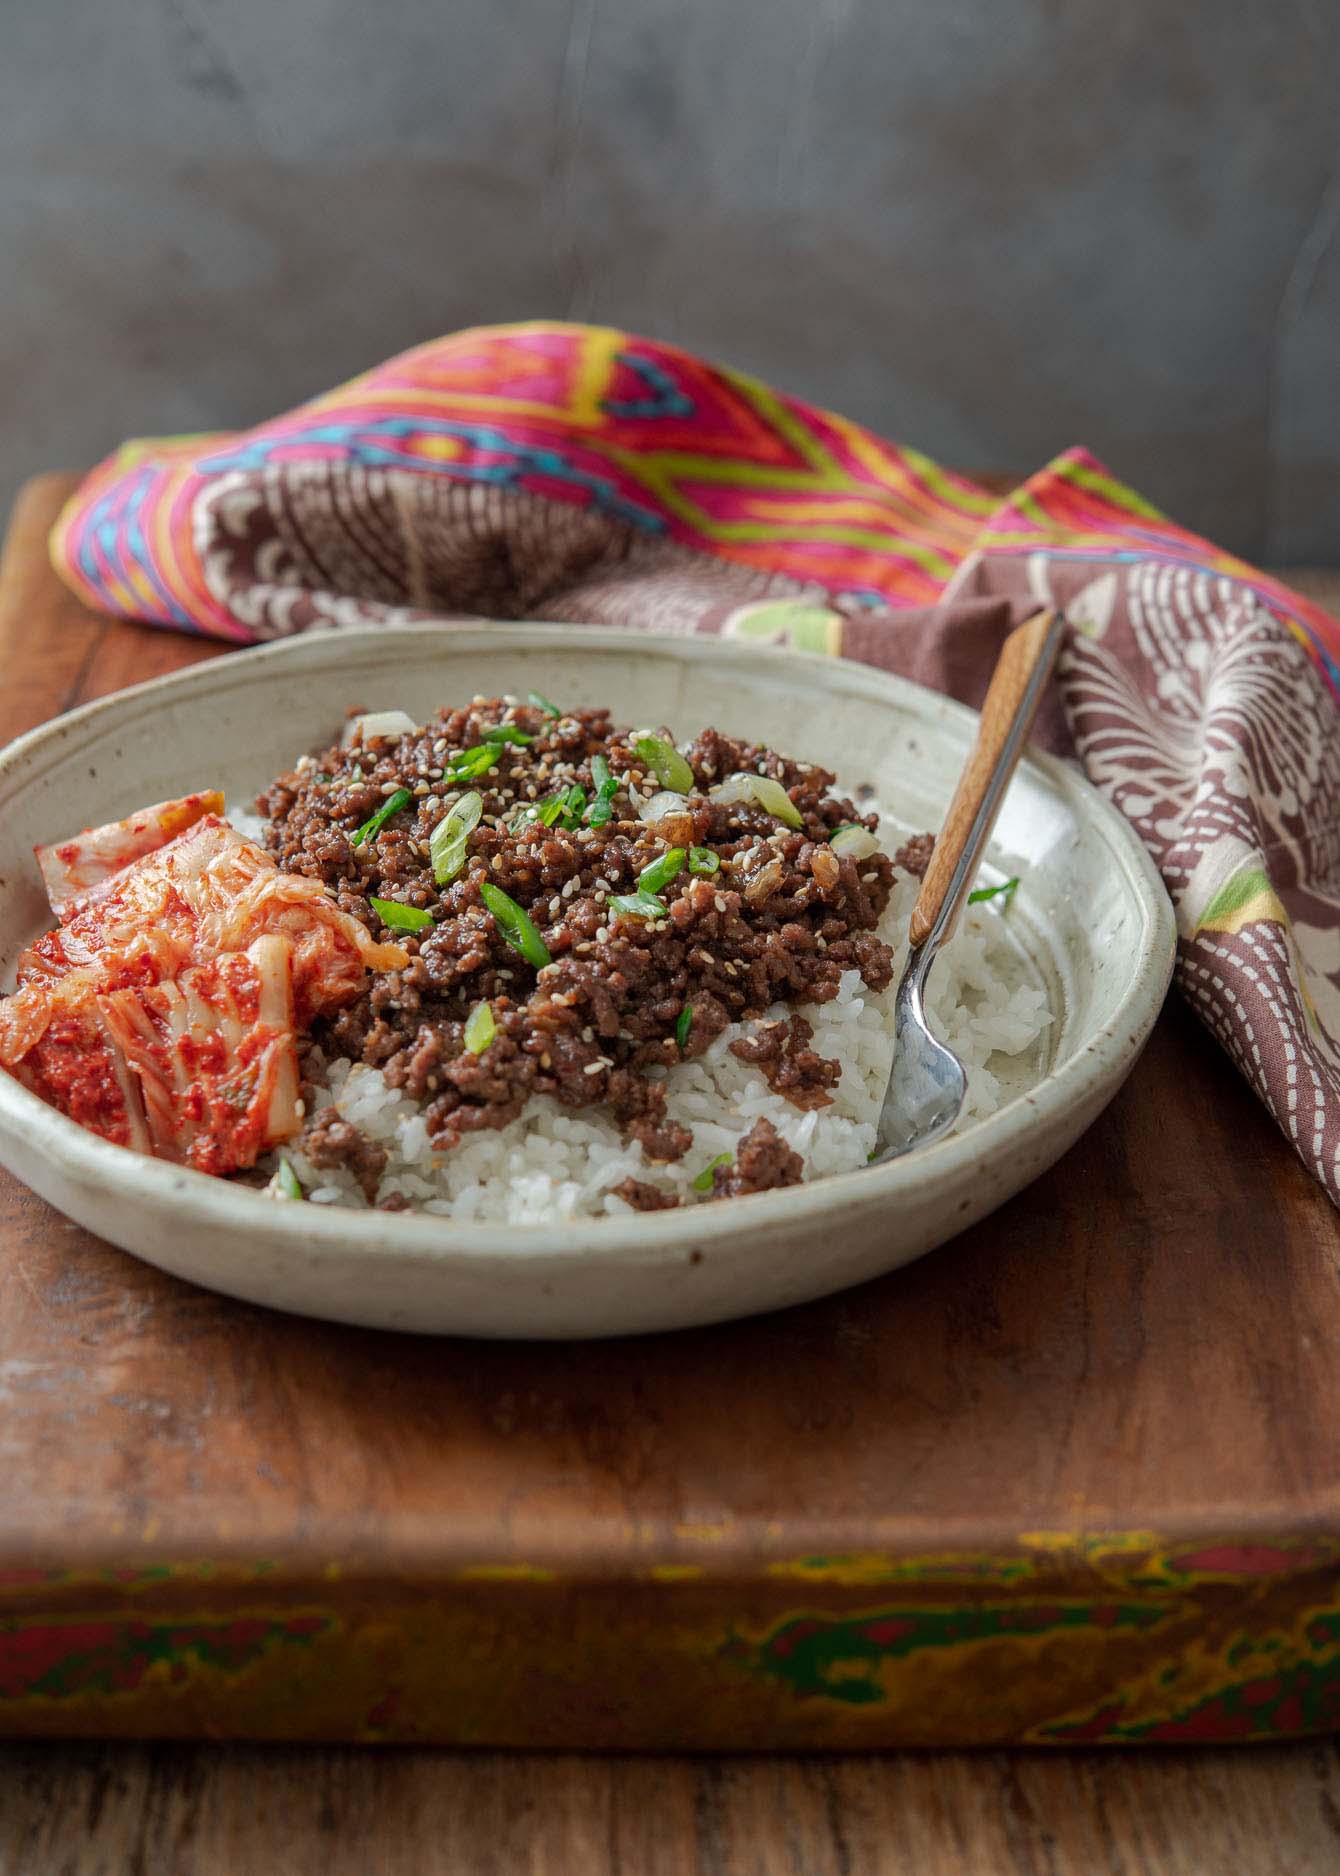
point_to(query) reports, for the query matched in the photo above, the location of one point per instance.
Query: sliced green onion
(480, 1028)
(400, 917)
(652, 878)
(516, 927)
(469, 764)
(1009, 887)
(637, 905)
(664, 761)
(286, 1183)
(507, 733)
(853, 842)
(392, 805)
(607, 787)
(546, 813)
(541, 702)
(703, 1183)
(769, 795)
(448, 840)
(683, 1024)
(704, 862)
(573, 805)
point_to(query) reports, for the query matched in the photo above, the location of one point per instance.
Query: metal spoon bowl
(928, 1083)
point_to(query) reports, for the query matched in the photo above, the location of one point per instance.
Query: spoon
(928, 1083)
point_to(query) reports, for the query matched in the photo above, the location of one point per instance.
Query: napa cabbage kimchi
(164, 1011)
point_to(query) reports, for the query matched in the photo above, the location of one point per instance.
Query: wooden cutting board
(1074, 1477)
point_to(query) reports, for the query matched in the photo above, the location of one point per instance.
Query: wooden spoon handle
(1016, 688)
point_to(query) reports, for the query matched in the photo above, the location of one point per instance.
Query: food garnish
(449, 839)
(515, 925)
(1007, 887)
(480, 1028)
(769, 795)
(637, 904)
(703, 1183)
(392, 805)
(400, 917)
(662, 871)
(853, 842)
(664, 761)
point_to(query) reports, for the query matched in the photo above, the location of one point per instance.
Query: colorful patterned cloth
(578, 473)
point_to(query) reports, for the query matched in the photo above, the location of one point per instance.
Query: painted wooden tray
(1073, 1478)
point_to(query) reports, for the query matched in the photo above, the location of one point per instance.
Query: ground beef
(778, 917)
(331, 1141)
(644, 1198)
(914, 856)
(762, 1160)
(781, 1049)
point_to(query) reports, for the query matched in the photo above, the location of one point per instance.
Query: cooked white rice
(558, 1163)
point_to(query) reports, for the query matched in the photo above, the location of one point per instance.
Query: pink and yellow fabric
(574, 472)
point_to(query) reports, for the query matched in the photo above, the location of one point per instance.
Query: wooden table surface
(1246, 1418)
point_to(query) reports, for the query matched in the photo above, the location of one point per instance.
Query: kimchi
(165, 1009)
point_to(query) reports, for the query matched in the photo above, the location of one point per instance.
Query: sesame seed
(719, 902)
(582, 949)
(588, 1034)
(441, 746)
(546, 1060)
(389, 788)
(594, 1068)
(421, 789)
(300, 1108)
(602, 934)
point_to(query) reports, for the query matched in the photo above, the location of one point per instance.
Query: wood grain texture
(201, 1811)
(1003, 715)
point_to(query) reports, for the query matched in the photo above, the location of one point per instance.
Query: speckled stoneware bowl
(1095, 923)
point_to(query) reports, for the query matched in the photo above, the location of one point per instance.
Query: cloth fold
(581, 473)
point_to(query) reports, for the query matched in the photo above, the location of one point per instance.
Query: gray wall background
(988, 227)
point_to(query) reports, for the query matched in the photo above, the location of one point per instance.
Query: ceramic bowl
(1095, 922)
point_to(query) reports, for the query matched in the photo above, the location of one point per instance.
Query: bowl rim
(1099, 1060)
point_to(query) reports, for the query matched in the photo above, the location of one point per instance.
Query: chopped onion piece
(286, 1183)
(657, 807)
(377, 723)
(1004, 892)
(664, 761)
(448, 840)
(480, 1028)
(769, 795)
(852, 842)
(637, 904)
(515, 925)
(703, 1183)
(662, 871)
(400, 917)
(392, 805)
